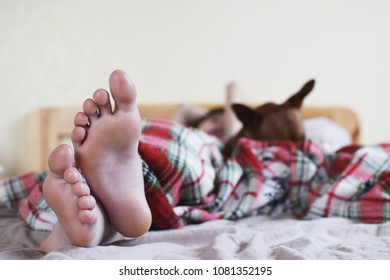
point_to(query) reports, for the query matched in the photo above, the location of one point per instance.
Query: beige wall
(55, 52)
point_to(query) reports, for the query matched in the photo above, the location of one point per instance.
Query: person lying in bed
(106, 150)
(112, 167)
(131, 175)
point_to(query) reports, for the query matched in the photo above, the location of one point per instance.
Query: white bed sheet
(258, 237)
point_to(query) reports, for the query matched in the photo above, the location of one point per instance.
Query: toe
(60, 159)
(72, 175)
(90, 109)
(87, 217)
(102, 99)
(79, 189)
(78, 135)
(81, 119)
(123, 91)
(86, 202)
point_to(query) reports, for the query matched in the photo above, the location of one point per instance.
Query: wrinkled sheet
(258, 237)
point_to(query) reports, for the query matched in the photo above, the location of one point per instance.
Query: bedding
(258, 237)
(347, 229)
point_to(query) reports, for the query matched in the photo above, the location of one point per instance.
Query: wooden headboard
(49, 127)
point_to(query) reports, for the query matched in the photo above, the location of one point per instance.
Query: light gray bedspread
(258, 237)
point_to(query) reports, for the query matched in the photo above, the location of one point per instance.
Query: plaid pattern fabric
(25, 193)
(353, 183)
(180, 167)
(187, 181)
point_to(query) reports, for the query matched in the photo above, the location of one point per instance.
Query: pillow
(330, 135)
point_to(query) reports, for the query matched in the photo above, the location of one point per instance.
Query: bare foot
(80, 220)
(106, 150)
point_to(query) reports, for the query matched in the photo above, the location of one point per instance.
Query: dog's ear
(246, 115)
(296, 100)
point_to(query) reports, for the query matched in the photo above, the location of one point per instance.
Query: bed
(257, 237)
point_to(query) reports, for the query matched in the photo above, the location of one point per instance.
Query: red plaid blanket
(186, 180)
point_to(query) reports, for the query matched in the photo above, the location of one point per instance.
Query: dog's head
(270, 121)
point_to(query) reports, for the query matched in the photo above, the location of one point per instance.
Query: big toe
(60, 159)
(122, 90)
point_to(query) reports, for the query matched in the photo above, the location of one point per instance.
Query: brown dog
(270, 121)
